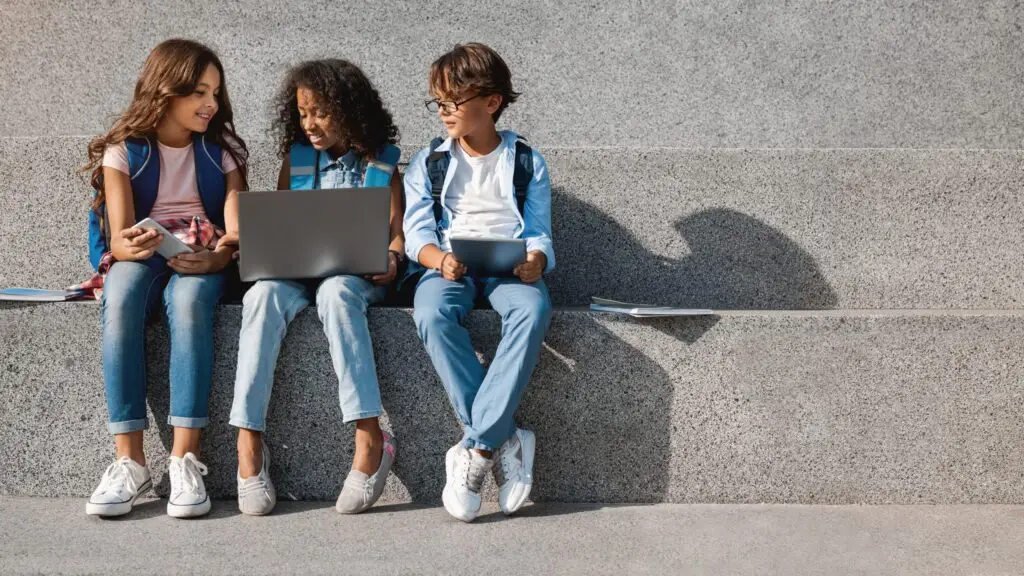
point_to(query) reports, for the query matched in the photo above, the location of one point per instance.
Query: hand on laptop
(451, 269)
(532, 270)
(385, 279)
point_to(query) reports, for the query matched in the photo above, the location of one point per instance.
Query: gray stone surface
(54, 536)
(768, 229)
(692, 73)
(748, 407)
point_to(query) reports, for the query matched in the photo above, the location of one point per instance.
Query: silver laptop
(313, 233)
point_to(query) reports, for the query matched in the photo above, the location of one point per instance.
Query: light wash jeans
(132, 291)
(267, 309)
(485, 403)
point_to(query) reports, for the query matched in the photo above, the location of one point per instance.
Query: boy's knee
(535, 314)
(431, 317)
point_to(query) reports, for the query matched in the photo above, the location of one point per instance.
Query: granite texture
(693, 73)
(746, 407)
(46, 536)
(728, 229)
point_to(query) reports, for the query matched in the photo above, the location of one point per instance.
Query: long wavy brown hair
(172, 70)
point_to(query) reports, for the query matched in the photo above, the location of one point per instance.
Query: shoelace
(473, 473)
(118, 476)
(191, 470)
(509, 462)
(252, 486)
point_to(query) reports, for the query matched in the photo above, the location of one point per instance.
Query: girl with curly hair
(328, 111)
(172, 156)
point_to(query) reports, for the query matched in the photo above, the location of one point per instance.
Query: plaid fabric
(197, 232)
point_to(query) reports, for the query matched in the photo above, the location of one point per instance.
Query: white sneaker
(256, 494)
(466, 472)
(188, 493)
(122, 484)
(513, 470)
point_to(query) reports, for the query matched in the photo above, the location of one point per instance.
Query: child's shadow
(735, 261)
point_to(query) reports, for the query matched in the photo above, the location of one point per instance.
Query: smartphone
(171, 245)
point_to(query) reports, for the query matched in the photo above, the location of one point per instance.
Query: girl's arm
(285, 175)
(397, 235)
(126, 243)
(397, 214)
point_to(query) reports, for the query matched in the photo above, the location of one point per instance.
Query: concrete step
(730, 229)
(655, 73)
(54, 536)
(747, 407)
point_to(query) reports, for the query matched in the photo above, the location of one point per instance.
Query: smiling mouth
(204, 116)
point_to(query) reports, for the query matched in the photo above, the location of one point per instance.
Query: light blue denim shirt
(535, 224)
(346, 171)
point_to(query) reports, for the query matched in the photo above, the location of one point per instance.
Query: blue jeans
(132, 291)
(485, 402)
(267, 309)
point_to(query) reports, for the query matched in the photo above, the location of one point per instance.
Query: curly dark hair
(351, 100)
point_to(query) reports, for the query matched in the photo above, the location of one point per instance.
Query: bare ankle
(250, 452)
(369, 446)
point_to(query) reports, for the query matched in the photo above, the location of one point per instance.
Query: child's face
(474, 113)
(194, 112)
(315, 120)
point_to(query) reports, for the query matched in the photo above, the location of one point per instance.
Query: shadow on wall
(734, 262)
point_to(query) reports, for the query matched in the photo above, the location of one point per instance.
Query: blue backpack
(144, 172)
(304, 167)
(437, 169)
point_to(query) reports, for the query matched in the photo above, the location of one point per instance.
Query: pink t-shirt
(178, 195)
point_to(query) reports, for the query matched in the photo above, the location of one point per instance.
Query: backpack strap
(210, 177)
(522, 175)
(304, 167)
(437, 168)
(380, 170)
(144, 174)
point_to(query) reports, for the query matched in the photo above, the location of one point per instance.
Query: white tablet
(171, 245)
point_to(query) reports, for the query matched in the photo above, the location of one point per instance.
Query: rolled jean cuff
(126, 426)
(182, 422)
(247, 425)
(346, 418)
(471, 444)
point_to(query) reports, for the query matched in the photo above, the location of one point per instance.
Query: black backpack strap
(437, 168)
(523, 174)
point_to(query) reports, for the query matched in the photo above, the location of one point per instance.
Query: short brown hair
(473, 67)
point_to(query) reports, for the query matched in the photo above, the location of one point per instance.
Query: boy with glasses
(480, 182)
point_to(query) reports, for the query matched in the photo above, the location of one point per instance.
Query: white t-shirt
(178, 195)
(474, 197)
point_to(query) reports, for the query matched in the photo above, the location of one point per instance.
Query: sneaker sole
(447, 497)
(188, 511)
(118, 509)
(529, 442)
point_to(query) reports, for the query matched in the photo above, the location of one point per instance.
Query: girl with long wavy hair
(172, 156)
(333, 131)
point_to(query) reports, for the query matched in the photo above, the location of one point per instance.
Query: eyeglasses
(449, 106)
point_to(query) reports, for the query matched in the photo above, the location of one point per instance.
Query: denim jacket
(535, 223)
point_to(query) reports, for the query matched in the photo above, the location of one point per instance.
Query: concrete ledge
(801, 407)
(728, 229)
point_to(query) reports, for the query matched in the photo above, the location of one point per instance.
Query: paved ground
(54, 536)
